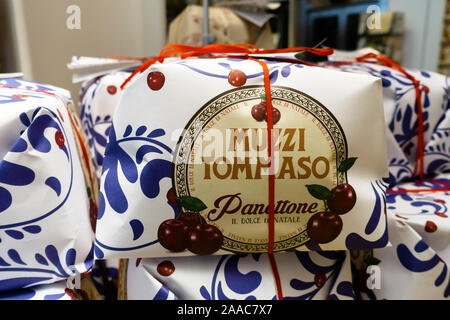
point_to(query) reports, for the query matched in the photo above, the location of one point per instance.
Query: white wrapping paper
(304, 276)
(45, 228)
(98, 101)
(134, 183)
(416, 266)
(401, 116)
(54, 291)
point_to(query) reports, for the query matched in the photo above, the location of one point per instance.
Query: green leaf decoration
(371, 261)
(263, 97)
(318, 191)
(346, 164)
(191, 203)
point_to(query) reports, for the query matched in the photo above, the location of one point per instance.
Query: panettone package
(187, 169)
(402, 116)
(47, 195)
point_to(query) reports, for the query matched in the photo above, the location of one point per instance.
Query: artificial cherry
(430, 226)
(192, 219)
(165, 268)
(343, 199)
(59, 139)
(237, 78)
(155, 80)
(111, 90)
(276, 115)
(173, 235)
(204, 239)
(324, 227)
(319, 279)
(259, 111)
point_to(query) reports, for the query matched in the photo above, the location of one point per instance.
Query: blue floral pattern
(243, 277)
(97, 106)
(401, 120)
(40, 161)
(418, 231)
(55, 291)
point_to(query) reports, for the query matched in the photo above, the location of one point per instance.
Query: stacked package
(47, 196)
(415, 267)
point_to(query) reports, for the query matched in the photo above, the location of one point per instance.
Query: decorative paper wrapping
(137, 169)
(305, 276)
(400, 110)
(54, 291)
(99, 97)
(416, 266)
(98, 101)
(45, 225)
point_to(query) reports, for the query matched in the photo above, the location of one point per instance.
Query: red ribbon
(385, 61)
(242, 51)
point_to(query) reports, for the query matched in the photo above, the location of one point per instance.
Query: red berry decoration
(237, 78)
(173, 235)
(276, 115)
(324, 227)
(343, 199)
(319, 279)
(155, 80)
(204, 239)
(171, 198)
(259, 111)
(59, 139)
(111, 90)
(192, 219)
(165, 268)
(441, 214)
(430, 226)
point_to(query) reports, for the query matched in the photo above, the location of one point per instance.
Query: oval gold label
(222, 159)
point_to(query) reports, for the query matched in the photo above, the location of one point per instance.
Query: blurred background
(39, 37)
